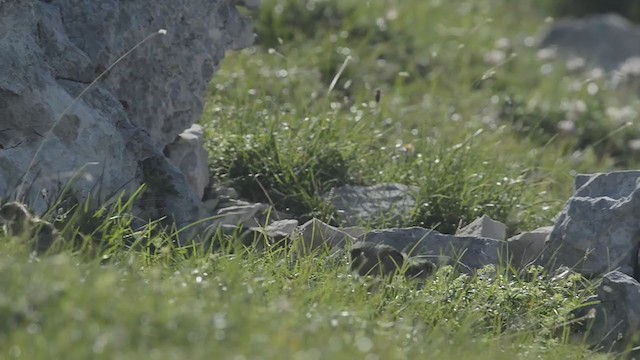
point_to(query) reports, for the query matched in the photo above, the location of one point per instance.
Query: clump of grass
(290, 175)
(459, 184)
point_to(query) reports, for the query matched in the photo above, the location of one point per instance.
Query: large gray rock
(383, 204)
(467, 251)
(615, 319)
(604, 41)
(187, 152)
(176, 70)
(598, 229)
(111, 139)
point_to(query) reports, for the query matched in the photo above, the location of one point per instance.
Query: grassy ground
(467, 113)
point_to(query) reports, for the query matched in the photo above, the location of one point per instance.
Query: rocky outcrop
(109, 139)
(598, 230)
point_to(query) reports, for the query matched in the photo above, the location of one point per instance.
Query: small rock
(387, 204)
(468, 252)
(485, 227)
(188, 154)
(315, 235)
(597, 230)
(615, 322)
(527, 246)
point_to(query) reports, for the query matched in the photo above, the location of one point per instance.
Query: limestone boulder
(598, 230)
(108, 138)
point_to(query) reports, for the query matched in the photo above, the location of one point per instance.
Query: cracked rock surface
(112, 138)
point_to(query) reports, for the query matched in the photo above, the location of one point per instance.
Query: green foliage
(271, 305)
(460, 184)
(290, 168)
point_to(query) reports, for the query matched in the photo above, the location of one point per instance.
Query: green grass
(267, 305)
(465, 115)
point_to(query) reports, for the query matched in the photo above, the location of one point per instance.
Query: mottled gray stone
(188, 154)
(486, 227)
(315, 235)
(598, 229)
(613, 324)
(388, 204)
(111, 139)
(524, 248)
(468, 251)
(604, 41)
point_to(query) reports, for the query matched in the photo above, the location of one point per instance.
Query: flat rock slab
(471, 252)
(315, 234)
(616, 316)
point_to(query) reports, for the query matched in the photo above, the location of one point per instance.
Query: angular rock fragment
(486, 227)
(524, 248)
(314, 234)
(598, 230)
